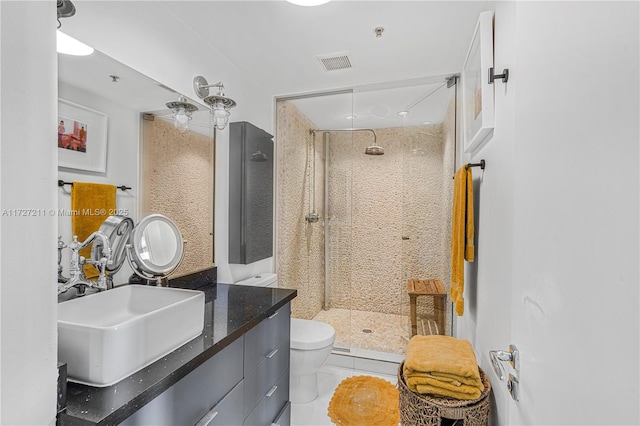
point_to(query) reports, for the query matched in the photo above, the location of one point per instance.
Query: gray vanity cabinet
(215, 384)
(246, 383)
(266, 369)
(250, 193)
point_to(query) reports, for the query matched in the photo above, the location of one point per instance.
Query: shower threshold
(365, 360)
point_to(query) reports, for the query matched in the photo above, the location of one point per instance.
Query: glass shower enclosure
(364, 204)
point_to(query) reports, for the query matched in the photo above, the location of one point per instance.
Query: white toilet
(311, 344)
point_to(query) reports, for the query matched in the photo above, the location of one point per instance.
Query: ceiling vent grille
(336, 61)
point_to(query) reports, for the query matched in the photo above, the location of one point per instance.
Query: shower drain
(367, 330)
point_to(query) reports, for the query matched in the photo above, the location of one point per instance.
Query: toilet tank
(267, 279)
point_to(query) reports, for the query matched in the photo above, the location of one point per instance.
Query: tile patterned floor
(388, 332)
(315, 413)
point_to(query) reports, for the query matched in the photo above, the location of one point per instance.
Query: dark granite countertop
(230, 311)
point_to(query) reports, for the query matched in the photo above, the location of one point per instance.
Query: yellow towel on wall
(91, 204)
(462, 232)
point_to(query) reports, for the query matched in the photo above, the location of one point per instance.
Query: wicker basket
(422, 410)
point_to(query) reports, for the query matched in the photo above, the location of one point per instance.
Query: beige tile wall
(300, 245)
(177, 181)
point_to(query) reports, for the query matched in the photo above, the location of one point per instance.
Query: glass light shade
(70, 46)
(181, 120)
(220, 117)
(308, 2)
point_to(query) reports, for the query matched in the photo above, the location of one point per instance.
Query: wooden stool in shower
(433, 288)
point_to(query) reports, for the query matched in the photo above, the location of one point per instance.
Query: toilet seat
(309, 335)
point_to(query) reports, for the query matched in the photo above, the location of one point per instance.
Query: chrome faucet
(77, 277)
(61, 246)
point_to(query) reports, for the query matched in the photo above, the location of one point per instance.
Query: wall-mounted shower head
(258, 156)
(374, 150)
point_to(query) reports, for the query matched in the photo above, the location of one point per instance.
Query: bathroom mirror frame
(139, 250)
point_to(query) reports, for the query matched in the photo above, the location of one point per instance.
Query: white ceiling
(275, 44)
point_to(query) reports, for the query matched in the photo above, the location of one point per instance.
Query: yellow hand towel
(462, 233)
(445, 378)
(446, 355)
(446, 390)
(91, 204)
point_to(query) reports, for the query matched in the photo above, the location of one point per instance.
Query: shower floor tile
(368, 330)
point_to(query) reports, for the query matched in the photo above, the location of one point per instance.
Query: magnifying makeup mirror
(155, 248)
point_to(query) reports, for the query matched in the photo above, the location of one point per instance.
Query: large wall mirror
(169, 172)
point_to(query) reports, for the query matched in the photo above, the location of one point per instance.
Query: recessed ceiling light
(426, 122)
(403, 112)
(308, 2)
(350, 117)
(70, 46)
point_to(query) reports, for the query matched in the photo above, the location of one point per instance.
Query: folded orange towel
(462, 233)
(92, 204)
(443, 366)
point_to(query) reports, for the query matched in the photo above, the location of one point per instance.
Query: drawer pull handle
(207, 418)
(273, 352)
(271, 391)
(273, 315)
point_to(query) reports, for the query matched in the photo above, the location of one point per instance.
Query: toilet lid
(308, 334)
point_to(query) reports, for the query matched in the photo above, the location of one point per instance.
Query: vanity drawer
(190, 398)
(262, 378)
(271, 406)
(226, 412)
(284, 417)
(265, 337)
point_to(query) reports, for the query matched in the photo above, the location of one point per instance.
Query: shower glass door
(428, 161)
(339, 248)
(313, 213)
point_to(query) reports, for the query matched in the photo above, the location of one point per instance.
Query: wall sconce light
(219, 104)
(182, 111)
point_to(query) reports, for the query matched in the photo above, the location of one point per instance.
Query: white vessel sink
(107, 336)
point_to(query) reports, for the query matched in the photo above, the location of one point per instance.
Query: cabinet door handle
(271, 391)
(272, 353)
(273, 315)
(207, 418)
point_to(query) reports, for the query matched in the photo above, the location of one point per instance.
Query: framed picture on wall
(82, 137)
(477, 93)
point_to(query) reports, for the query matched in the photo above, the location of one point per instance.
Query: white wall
(28, 158)
(123, 165)
(557, 266)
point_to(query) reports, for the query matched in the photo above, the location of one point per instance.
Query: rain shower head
(374, 150)
(258, 157)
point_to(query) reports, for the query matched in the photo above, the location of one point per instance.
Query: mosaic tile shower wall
(300, 245)
(388, 218)
(177, 181)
